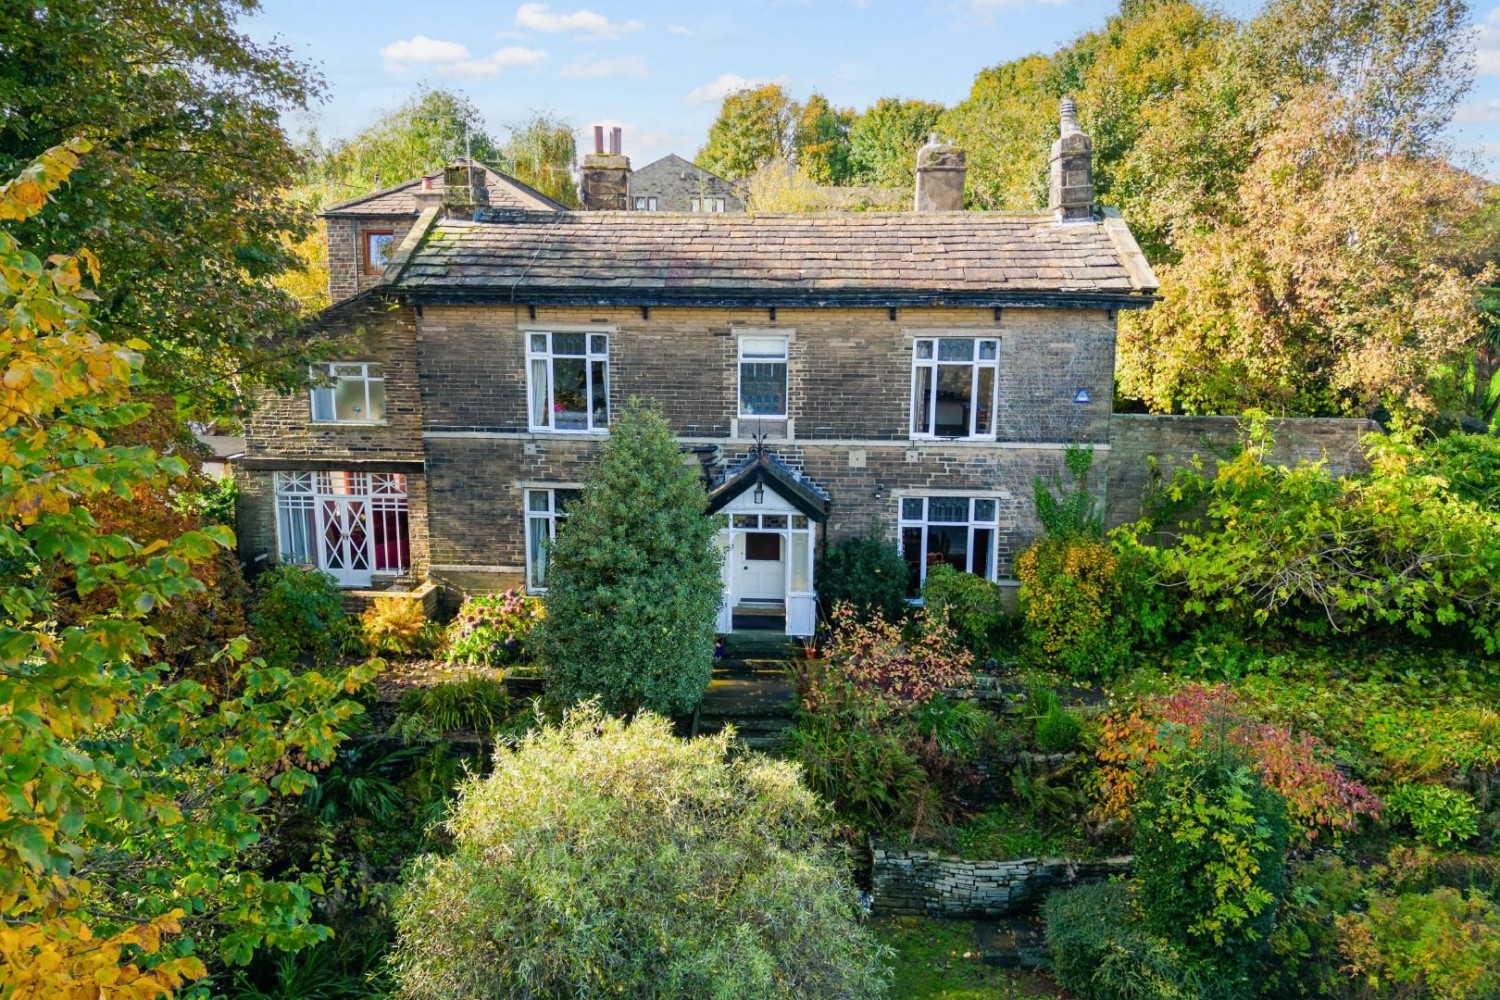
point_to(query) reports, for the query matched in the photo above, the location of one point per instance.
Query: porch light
(879, 492)
(1082, 397)
(760, 493)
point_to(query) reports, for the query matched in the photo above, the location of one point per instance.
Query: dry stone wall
(929, 883)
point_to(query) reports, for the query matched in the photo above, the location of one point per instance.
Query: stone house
(670, 184)
(906, 374)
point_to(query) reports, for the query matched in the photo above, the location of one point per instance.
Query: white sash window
(568, 381)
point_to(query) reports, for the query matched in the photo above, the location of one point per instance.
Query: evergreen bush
(971, 604)
(1099, 950)
(868, 574)
(298, 614)
(633, 587)
(606, 858)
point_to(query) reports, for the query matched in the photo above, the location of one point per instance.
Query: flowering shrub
(1298, 767)
(493, 629)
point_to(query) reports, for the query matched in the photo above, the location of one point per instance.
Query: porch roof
(764, 467)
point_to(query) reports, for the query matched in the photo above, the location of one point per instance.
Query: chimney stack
(1072, 188)
(941, 169)
(605, 178)
(464, 190)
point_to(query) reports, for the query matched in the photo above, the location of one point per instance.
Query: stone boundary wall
(928, 883)
(1136, 438)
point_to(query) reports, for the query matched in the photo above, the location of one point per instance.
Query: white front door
(344, 542)
(761, 565)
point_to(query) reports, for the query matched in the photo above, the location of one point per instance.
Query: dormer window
(348, 393)
(380, 244)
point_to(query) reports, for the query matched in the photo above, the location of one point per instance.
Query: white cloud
(452, 58)
(587, 23)
(725, 84)
(1487, 45)
(618, 66)
(1481, 112)
(679, 29)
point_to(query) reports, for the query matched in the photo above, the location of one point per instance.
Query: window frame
(552, 516)
(708, 204)
(785, 361)
(366, 248)
(976, 364)
(972, 523)
(387, 499)
(549, 357)
(370, 372)
(646, 203)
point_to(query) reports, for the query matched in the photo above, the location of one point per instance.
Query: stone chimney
(464, 190)
(605, 180)
(1072, 188)
(941, 168)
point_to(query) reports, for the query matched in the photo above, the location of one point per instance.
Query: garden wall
(928, 883)
(1135, 438)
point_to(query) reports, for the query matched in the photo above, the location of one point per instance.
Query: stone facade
(456, 409)
(348, 273)
(929, 883)
(675, 182)
(1145, 449)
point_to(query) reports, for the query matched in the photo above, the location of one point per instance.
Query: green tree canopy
(633, 587)
(755, 126)
(823, 141)
(184, 199)
(883, 140)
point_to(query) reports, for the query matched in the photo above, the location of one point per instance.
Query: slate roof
(767, 467)
(505, 193)
(881, 258)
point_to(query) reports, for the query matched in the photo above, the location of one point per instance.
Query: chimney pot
(615, 135)
(1071, 189)
(599, 139)
(941, 170)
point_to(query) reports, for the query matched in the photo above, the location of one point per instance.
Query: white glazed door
(762, 566)
(344, 539)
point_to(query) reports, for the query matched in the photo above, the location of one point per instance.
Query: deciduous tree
(184, 200)
(131, 796)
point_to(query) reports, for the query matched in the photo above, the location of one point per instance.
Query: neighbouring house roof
(505, 192)
(875, 258)
(674, 163)
(223, 446)
(764, 467)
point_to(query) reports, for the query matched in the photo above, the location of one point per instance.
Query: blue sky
(659, 68)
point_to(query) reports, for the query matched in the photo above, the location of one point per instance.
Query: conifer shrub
(608, 858)
(633, 586)
(867, 574)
